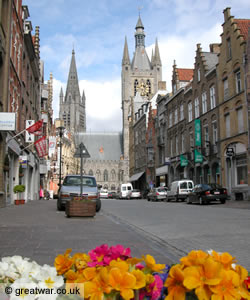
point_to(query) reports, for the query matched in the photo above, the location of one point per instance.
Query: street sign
(81, 151)
(230, 151)
(29, 137)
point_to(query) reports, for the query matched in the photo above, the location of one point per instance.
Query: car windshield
(215, 186)
(76, 181)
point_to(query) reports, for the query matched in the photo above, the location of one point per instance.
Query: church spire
(139, 34)
(125, 60)
(157, 58)
(72, 84)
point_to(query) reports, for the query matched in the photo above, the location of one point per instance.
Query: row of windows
(106, 176)
(179, 142)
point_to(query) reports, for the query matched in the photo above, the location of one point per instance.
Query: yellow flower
(225, 258)
(140, 279)
(200, 277)
(227, 289)
(174, 283)
(63, 263)
(120, 264)
(150, 263)
(195, 257)
(93, 290)
(89, 273)
(122, 281)
(133, 260)
(71, 276)
(81, 260)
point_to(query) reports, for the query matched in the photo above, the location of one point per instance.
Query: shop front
(162, 176)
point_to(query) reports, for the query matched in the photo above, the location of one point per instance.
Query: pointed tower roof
(72, 84)
(139, 23)
(125, 59)
(157, 58)
(61, 92)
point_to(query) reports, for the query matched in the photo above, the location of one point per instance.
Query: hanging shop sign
(198, 158)
(7, 121)
(184, 161)
(197, 130)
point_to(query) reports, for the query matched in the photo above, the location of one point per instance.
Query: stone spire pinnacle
(157, 58)
(125, 60)
(72, 84)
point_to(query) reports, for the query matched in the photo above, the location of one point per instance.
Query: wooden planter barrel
(80, 209)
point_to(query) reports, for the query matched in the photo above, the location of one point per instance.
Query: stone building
(139, 75)
(233, 106)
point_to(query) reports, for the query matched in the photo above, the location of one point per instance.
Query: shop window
(241, 169)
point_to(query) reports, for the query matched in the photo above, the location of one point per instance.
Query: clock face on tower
(142, 88)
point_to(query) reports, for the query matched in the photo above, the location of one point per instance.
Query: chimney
(162, 85)
(214, 48)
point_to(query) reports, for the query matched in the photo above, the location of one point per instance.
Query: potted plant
(6, 165)
(80, 207)
(19, 189)
(21, 172)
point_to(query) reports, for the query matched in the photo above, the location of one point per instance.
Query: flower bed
(112, 273)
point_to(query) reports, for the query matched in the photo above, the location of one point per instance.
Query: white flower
(8, 270)
(23, 288)
(210, 252)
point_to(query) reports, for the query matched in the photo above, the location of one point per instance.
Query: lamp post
(60, 130)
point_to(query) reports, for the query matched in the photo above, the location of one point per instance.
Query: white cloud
(103, 103)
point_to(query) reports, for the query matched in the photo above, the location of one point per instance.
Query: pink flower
(139, 266)
(155, 288)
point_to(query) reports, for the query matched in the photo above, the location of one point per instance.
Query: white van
(180, 190)
(125, 190)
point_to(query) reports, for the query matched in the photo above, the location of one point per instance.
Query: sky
(97, 29)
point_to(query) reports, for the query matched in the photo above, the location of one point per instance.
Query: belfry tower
(139, 75)
(72, 106)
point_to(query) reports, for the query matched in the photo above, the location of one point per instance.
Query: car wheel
(176, 199)
(98, 205)
(222, 201)
(148, 199)
(201, 201)
(59, 205)
(189, 201)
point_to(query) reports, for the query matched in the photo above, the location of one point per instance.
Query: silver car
(157, 194)
(70, 188)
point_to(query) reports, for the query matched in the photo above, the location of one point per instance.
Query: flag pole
(15, 135)
(28, 146)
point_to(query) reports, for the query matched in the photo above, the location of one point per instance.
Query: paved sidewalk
(38, 231)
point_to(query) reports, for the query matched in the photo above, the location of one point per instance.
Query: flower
(174, 283)
(150, 263)
(63, 262)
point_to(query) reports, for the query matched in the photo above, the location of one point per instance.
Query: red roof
(185, 74)
(243, 25)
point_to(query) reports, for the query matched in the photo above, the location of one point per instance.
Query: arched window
(149, 87)
(105, 175)
(113, 176)
(98, 175)
(135, 86)
(91, 172)
(121, 175)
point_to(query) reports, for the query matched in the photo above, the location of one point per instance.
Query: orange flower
(174, 283)
(63, 263)
(140, 279)
(81, 260)
(195, 257)
(93, 290)
(122, 281)
(225, 258)
(200, 277)
(150, 263)
(227, 289)
(71, 276)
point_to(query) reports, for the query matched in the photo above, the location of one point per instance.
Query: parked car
(70, 188)
(205, 193)
(112, 195)
(104, 193)
(135, 194)
(180, 189)
(157, 194)
(125, 190)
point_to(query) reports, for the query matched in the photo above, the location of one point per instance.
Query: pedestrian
(41, 193)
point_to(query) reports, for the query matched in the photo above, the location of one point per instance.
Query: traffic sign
(230, 151)
(82, 151)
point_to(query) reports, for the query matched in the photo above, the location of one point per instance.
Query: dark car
(112, 195)
(70, 188)
(206, 193)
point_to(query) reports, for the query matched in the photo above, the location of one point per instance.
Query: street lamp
(60, 131)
